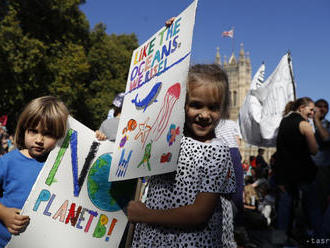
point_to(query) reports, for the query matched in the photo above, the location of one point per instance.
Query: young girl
(189, 208)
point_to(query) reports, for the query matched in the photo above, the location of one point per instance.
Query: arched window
(235, 98)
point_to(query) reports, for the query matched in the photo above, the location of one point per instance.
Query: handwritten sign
(72, 204)
(152, 119)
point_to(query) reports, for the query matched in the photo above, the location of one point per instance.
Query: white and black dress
(202, 167)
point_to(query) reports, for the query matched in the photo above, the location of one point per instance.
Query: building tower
(239, 76)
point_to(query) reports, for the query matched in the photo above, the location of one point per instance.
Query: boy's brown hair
(49, 111)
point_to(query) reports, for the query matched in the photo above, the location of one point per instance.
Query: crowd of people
(286, 202)
(7, 140)
(213, 199)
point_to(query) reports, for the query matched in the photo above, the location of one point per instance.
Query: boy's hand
(100, 136)
(15, 222)
(136, 211)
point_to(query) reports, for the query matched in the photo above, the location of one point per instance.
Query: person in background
(322, 133)
(228, 131)
(261, 163)
(3, 130)
(322, 160)
(295, 169)
(109, 127)
(245, 166)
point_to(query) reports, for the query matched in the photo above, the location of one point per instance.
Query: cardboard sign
(72, 204)
(152, 118)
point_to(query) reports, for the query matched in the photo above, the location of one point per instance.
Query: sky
(268, 29)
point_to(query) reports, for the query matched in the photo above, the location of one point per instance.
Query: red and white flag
(229, 33)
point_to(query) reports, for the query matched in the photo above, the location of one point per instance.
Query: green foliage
(46, 48)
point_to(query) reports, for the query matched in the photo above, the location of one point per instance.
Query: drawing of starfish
(144, 130)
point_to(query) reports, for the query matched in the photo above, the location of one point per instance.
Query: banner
(72, 204)
(259, 126)
(250, 111)
(152, 118)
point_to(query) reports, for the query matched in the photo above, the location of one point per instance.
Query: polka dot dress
(202, 167)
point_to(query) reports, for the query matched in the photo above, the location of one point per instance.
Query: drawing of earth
(108, 196)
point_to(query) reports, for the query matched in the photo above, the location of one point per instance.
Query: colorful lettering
(88, 161)
(91, 217)
(135, 58)
(134, 72)
(151, 46)
(112, 226)
(73, 215)
(59, 157)
(156, 57)
(43, 196)
(177, 26)
(100, 228)
(81, 218)
(161, 34)
(48, 205)
(61, 211)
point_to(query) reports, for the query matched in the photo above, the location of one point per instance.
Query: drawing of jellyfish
(146, 157)
(170, 98)
(172, 133)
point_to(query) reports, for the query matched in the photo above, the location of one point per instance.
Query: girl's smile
(202, 112)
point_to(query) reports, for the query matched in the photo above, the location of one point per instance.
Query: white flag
(250, 112)
(271, 98)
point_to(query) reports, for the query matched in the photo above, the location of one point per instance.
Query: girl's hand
(136, 211)
(169, 22)
(14, 222)
(100, 136)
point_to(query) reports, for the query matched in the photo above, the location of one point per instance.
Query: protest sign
(250, 111)
(262, 110)
(152, 118)
(72, 204)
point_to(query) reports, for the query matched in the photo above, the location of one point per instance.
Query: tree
(46, 47)
(109, 58)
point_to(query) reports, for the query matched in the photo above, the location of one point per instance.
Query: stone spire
(248, 57)
(218, 57)
(232, 59)
(241, 52)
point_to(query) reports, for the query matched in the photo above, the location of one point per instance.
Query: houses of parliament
(239, 76)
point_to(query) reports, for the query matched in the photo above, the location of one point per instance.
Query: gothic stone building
(239, 76)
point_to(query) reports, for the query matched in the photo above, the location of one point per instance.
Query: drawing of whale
(149, 99)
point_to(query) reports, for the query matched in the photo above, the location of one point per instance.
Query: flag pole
(291, 74)
(232, 42)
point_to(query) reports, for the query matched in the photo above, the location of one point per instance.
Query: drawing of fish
(149, 99)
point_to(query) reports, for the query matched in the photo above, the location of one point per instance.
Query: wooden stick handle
(131, 225)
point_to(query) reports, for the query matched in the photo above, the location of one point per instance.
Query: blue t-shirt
(17, 176)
